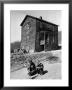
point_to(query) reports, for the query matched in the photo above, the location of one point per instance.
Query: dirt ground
(54, 72)
(53, 68)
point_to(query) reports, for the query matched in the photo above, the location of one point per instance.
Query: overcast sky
(16, 17)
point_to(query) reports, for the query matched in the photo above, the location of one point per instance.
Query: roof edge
(37, 19)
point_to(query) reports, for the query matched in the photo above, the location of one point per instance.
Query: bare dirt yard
(51, 61)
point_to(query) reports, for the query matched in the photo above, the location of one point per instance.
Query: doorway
(47, 41)
(42, 40)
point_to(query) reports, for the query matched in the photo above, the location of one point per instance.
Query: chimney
(40, 17)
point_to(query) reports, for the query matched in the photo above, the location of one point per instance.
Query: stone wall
(28, 34)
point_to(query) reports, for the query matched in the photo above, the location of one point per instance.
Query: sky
(16, 17)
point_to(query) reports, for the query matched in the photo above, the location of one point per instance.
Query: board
(33, 77)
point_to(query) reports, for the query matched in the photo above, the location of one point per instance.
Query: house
(38, 35)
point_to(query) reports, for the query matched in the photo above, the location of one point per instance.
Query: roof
(37, 19)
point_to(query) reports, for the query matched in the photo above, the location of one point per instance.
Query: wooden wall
(51, 31)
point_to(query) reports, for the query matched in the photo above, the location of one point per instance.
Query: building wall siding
(42, 26)
(52, 31)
